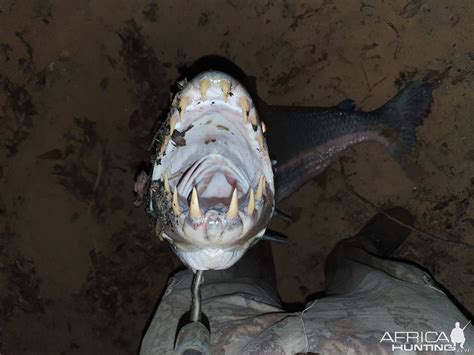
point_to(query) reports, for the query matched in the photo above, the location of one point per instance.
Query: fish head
(212, 183)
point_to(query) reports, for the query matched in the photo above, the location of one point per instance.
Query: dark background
(81, 83)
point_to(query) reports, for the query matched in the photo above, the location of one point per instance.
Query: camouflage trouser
(372, 306)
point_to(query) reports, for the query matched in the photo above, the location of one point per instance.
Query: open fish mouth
(212, 181)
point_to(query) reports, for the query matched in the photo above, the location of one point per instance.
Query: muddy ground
(81, 85)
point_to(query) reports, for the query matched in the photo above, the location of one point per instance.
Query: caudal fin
(405, 112)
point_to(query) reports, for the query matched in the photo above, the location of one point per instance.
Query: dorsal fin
(346, 105)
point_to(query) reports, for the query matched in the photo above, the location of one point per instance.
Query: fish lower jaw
(210, 259)
(213, 258)
(218, 228)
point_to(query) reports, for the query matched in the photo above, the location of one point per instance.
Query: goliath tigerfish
(213, 187)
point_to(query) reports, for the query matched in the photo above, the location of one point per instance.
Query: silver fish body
(213, 185)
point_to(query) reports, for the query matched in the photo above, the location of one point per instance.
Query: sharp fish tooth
(164, 146)
(260, 188)
(194, 210)
(260, 142)
(174, 102)
(203, 86)
(253, 119)
(234, 206)
(245, 105)
(173, 121)
(251, 205)
(183, 102)
(166, 183)
(176, 208)
(225, 87)
(264, 127)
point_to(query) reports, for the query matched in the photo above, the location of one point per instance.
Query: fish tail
(405, 112)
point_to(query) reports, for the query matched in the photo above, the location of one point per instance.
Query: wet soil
(81, 87)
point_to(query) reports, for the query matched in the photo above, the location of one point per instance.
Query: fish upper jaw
(212, 179)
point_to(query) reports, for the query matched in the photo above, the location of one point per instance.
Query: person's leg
(353, 258)
(370, 296)
(247, 288)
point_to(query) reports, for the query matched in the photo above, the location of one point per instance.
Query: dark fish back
(304, 140)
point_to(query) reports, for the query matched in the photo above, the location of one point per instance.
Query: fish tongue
(217, 187)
